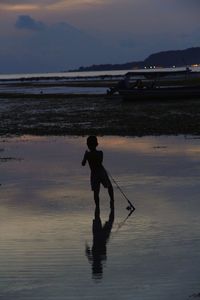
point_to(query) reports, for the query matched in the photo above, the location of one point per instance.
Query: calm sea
(63, 74)
(82, 74)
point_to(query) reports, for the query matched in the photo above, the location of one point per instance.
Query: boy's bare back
(94, 158)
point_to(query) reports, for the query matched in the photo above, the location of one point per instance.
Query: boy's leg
(95, 185)
(107, 184)
(111, 194)
(96, 196)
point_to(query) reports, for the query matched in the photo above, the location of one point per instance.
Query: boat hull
(162, 93)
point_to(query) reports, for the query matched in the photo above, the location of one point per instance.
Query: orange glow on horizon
(19, 7)
(52, 6)
(151, 145)
(74, 4)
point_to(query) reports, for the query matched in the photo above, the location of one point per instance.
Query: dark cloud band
(28, 23)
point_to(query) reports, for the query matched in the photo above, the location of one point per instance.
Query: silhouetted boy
(98, 173)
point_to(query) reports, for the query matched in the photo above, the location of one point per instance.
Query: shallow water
(52, 90)
(47, 212)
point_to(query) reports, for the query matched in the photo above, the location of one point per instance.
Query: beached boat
(161, 93)
(159, 85)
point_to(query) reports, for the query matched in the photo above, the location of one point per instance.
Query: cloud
(60, 46)
(28, 23)
(21, 2)
(122, 31)
(18, 7)
(23, 5)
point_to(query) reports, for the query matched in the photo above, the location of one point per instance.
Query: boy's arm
(84, 159)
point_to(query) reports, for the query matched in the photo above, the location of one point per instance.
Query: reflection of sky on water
(47, 211)
(52, 90)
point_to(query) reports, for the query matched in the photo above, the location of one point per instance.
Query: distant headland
(165, 59)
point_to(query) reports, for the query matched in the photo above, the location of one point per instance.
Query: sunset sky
(56, 35)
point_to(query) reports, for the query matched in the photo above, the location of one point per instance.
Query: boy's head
(92, 142)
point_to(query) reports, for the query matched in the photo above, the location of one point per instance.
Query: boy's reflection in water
(97, 254)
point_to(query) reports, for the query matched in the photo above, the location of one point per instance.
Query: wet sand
(95, 114)
(47, 213)
(80, 107)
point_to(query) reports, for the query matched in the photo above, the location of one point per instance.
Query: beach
(95, 114)
(80, 106)
(49, 248)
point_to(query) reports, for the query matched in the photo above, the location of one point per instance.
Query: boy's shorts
(100, 177)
